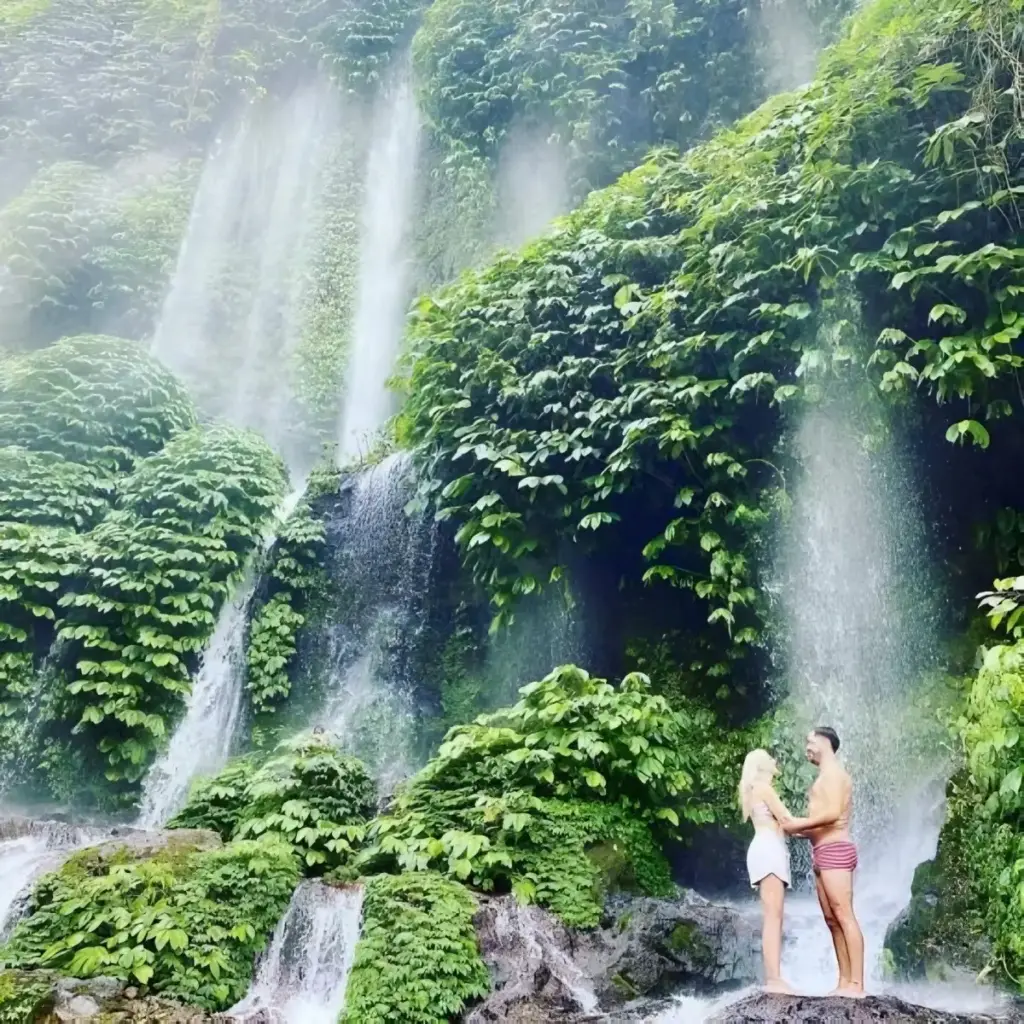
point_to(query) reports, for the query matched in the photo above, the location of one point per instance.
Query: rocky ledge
(644, 950)
(772, 1009)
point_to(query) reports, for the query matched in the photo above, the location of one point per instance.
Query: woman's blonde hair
(758, 766)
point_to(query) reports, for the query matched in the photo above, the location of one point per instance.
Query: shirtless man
(833, 855)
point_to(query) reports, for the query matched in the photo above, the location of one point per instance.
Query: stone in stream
(774, 1009)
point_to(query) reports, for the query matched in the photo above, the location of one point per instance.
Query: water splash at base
(303, 977)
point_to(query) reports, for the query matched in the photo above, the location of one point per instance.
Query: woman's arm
(775, 805)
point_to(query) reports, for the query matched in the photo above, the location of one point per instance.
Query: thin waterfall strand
(202, 742)
(382, 294)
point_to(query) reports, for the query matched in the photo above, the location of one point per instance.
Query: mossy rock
(25, 996)
(686, 940)
(615, 870)
(938, 934)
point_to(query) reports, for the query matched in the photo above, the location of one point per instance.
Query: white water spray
(202, 742)
(860, 631)
(235, 309)
(303, 977)
(386, 560)
(383, 291)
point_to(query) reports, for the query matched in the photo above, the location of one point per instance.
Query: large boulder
(644, 950)
(773, 1009)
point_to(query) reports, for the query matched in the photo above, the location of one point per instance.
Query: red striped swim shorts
(841, 856)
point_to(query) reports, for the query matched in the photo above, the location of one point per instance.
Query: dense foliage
(417, 960)
(185, 923)
(620, 383)
(305, 793)
(294, 575)
(520, 797)
(158, 569)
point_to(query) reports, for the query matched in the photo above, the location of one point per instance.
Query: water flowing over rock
(202, 742)
(645, 949)
(380, 560)
(234, 313)
(303, 976)
(28, 849)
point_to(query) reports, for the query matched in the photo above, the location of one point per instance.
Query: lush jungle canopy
(602, 414)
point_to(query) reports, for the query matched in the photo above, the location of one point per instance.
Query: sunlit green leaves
(186, 924)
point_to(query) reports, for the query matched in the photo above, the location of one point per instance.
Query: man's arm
(830, 807)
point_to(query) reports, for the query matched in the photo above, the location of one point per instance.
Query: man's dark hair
(830, 734)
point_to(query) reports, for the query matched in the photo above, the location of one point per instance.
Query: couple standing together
(834, 857)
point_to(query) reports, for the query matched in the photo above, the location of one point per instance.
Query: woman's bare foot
(778, 987)
(851, 991)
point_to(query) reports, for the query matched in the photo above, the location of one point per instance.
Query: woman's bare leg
(773, 894)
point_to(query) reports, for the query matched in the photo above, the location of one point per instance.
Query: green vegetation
(185, 923)
(159, 568)
(22, 998)
(518, 798)
(417, 959)
(305, 793)
(295, 577)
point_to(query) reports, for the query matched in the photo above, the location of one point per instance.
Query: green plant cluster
(122, 527)
(306, 793)
(417, 959)
(519, 798)
(73, 420)
(295, 578)
(85, 247)
(23, 999)
(632, 369)
(159, 568)
(183, 922)
(968, 907)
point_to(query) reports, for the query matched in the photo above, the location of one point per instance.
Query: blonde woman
(767, 857)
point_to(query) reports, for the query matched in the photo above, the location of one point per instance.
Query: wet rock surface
(645, 949)
(773, 1009)
(55, 1000)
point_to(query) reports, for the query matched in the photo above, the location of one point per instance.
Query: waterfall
(304, 974)
(383, 289)
(382, 560)
(856, 595)
(202, 742)
(234, 312)
(28, 849)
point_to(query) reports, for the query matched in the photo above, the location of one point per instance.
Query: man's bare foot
(851, 991)
(778, 987)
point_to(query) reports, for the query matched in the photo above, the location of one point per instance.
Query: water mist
(383, 290)
(235, 310)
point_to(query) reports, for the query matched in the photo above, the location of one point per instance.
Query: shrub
(417, 960)
(306, 793)
(188, 924)
(519, 797)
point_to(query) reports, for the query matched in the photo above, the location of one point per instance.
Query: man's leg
(838, 939)
(838, 886)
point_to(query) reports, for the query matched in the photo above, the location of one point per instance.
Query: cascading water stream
(384, 558)
(382, 293)
(202, 741)
(234, 311)
(304, 974)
